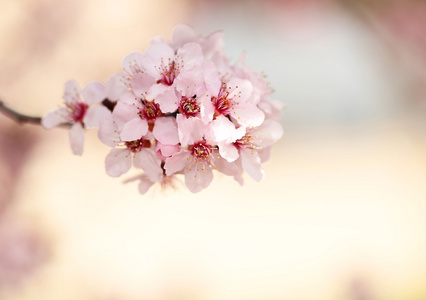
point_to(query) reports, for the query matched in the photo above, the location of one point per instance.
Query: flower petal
(148, 161)
(190, 130)
(144, 184)
(141, 83)
(264, 154)
(95, 114)
(167, 100)
(72, 92)
(270, 131)
(76, 135)
(222, 129)
(248, 115)
(213, 43)
(197, 180)
(230, 169)
(123, 113)
(228, 151)
(55, 118)
(183, 34)
(167, 150)
(114, 87)
(107, 132)
(157, 57)
(93, 92)
(211, 78)
(177, 162)
(191, 54)
(118, 162)
(132, 62)
(134, 129)
(250, 162)
(166, 131)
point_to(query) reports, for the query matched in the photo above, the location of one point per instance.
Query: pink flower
(81, 109)
(198, 159)
(125, 153)
(196, 163)
(161, 62)
(249, 145)
(179, 108)
(233, 100)
(232, 97)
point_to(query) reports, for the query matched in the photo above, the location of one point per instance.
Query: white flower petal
(95, 114)
(191, 130)
(166, 131)
(270, 132)
(123, 113)
(72, 92)
(248, 115)
(144, 185)
(114, 87)
(222, 129)
(197, 179)
(213, 43)
(157, 57)
(228, 151)
(167, 100)
(177, 162)
(93, 92)
(141, 83)
(118, 162)
(168, 150)
(191, 54)
(148, 161)
(182, 34)
(132, 62)
(230, 169)
(134, 129)
(211, 78)
(264, 154)
(76, 135)
(107, 132)
(251, 164)
(55, 118)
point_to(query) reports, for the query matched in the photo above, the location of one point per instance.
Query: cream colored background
(343, 202)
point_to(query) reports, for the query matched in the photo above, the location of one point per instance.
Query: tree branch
(18, 117)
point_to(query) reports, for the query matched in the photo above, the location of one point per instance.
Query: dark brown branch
(18, 117)
(109, 104)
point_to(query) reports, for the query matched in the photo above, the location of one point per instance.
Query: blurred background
(339, 216)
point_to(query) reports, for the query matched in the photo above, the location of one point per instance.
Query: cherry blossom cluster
(179, 108)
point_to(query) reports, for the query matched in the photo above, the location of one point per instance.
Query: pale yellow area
(338, 205)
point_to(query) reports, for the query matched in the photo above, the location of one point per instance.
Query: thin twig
(22, 119)
(18, 117)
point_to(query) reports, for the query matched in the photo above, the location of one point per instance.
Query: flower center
(222, 105)
(149, 110)
(169, 73)
(202, 152)
(189, 106)
(246, 142)
(136, 146)
(78, 111)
